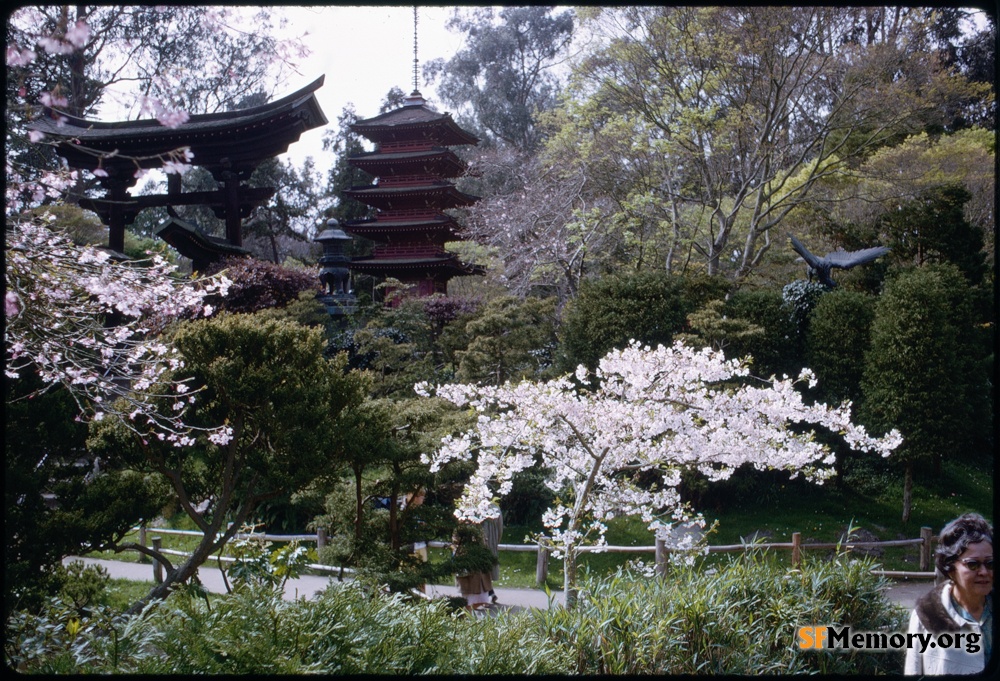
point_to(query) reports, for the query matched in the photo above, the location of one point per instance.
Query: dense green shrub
(800, 298)
(737, 619)
(508, 339)
(529, 497)
(345, 630)
(608, 312)
(777, 351)
(838, 337)
(920, 375)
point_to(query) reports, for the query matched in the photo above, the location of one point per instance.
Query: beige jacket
(935, 614)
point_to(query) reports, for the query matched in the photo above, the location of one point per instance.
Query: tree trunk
(394, 509)
(907, 490)
(210, 542)
(569, 578)
(274, 246)
(78, 95)
(359, 506)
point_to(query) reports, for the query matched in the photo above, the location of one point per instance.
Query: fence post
(542, 566)
(157, 565)
(320, 537)
(142, 542)
(925, 548)
(796, 549)
(661, 556)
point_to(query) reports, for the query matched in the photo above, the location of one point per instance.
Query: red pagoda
(412, 164)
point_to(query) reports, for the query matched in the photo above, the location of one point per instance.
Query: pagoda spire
(416, 62)
(415, 98)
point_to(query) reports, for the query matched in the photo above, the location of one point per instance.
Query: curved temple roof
(435, 161)
(243, 136)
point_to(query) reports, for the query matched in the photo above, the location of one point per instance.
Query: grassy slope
(820, 513)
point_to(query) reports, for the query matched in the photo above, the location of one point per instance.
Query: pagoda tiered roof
(407, 269)
(438, 228)
(434, 161)
(411, 163)
(429, 195)
(414, 120)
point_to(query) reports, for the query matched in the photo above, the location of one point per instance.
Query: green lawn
(820, 513)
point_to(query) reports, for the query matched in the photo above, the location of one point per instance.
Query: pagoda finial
(415, 62)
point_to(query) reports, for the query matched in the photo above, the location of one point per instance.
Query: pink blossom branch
(59, 303)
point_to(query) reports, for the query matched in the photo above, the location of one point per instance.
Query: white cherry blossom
(655, 410)
(60, 296)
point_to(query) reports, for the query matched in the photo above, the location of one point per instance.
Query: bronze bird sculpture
(845, 260)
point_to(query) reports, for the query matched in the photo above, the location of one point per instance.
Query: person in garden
(411, 502)
(473, 563)
(960, 604)
(492, 531)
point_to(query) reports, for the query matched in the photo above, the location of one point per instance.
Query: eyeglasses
(974, 565)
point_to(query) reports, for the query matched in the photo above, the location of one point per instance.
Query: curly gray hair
(955, 537)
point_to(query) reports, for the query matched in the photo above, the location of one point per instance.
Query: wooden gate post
(925, 548)
(796, 549)
(661, 554)
(320, 537)
(157, 565)
(542, 566)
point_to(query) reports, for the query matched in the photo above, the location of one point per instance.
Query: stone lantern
(334, 272)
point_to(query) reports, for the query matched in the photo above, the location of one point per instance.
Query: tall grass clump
(736, 618)
(348, 629)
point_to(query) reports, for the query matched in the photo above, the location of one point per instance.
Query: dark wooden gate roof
(230, 145)
(241, 137)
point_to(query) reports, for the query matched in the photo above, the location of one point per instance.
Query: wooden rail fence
(659, 550)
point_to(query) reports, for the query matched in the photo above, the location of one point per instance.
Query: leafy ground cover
(739, 617)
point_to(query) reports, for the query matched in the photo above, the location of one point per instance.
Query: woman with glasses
(954, 621)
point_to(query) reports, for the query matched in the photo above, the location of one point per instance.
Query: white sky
(364, 51)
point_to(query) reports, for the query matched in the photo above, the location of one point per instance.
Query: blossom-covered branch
(88, 323)
(163, 62)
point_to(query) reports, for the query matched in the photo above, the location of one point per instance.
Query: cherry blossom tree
(87, 322)
(540, 221)
(654, 411)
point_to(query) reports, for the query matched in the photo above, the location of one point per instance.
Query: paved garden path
(903, 593)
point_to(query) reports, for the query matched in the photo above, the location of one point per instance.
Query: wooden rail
(660, 551)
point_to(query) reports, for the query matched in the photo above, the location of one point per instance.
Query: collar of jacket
(936, 613)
